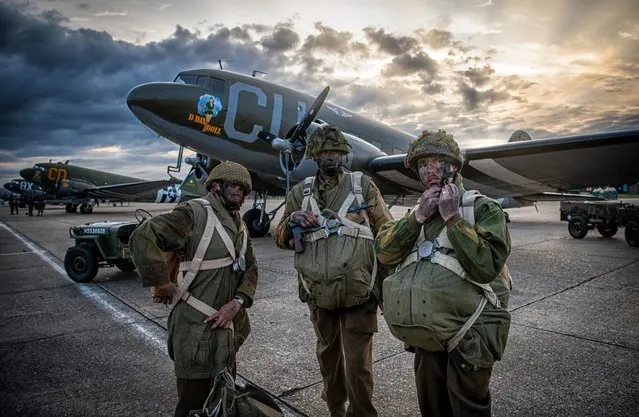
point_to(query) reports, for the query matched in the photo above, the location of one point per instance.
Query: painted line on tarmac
(19, 253)
(98, 296)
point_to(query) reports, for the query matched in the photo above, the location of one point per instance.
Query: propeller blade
(266, 136)
(287, 156)
(310, 115)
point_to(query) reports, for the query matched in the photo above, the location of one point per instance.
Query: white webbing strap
(210, 264)
(308, 201)
(349, 228)
(198, 263)
(452, 343)
(468, 206)
(356, 232)
(200, 306)
(194, 265)
(453, 265)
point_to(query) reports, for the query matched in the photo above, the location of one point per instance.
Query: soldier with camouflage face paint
(447, 299)
(215, 284)
(337, 269)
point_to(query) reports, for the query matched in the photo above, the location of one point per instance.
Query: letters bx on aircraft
(223, 115)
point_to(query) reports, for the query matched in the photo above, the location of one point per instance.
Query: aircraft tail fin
(519, 136)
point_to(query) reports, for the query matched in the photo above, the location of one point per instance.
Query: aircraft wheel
(578, 227)
(608, 230)
(68, 208)
(125, 265)
(86, 208)
(81, 264)
(632, 234)
(252, 220)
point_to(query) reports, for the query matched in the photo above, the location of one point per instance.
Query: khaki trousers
(345, 356)
(445, 389)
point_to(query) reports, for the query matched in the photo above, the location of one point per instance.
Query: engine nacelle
(69, 186)
(202, 165)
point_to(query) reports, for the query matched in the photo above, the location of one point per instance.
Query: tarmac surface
(99, 349)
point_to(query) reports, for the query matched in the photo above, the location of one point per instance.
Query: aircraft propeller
(297, 141)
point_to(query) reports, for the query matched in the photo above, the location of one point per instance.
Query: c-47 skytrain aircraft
(76, 186)
(228, 116)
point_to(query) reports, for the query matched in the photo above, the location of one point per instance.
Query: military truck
(605, 216)
(101, 245)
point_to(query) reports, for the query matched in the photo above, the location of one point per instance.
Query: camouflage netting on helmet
(327, 138)
(431, 143)
(230, 172)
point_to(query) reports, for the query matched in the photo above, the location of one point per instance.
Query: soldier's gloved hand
(223, 319)
(304, 218)
(428, 204)
(449, 201)
(163, 293)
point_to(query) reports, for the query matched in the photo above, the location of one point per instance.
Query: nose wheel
(257, 219)
(257, 222)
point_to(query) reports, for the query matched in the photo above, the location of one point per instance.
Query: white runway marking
(93, 292)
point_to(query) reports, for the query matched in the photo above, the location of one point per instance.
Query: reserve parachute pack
(338, 265)
(443, 308)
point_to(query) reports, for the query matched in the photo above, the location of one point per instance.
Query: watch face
(425, 249)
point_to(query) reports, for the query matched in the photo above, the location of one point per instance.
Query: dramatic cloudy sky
(478, 68)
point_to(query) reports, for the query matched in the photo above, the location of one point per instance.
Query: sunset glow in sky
(479, 69)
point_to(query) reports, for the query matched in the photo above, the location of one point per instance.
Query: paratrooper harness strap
(346, 227)
(199, 264)
(467, 211)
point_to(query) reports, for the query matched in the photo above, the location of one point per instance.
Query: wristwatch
(239, 299)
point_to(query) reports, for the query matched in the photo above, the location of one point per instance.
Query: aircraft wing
(130, 191)
(535, 167)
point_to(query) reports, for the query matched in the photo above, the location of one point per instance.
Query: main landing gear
(257, 220)
(85, 208)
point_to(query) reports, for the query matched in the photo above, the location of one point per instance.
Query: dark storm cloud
(64, 91)
(407, 64)
(84, 6)
(390, 44)
(240, 34)
(329, 40)
(282, 39)
(479, 76)
(473, 98)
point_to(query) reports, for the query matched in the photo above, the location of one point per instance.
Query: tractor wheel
(252, 220)
(632, 234)
(578, 227)
(81, 264)
(125, 265)
(608, 230)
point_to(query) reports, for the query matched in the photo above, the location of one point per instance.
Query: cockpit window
(214, 85)
(217, 86)
(185, 79)
(203, 81)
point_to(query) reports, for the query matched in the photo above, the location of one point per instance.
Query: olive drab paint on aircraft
(249, 106)
(78, 186)
(525, 169)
